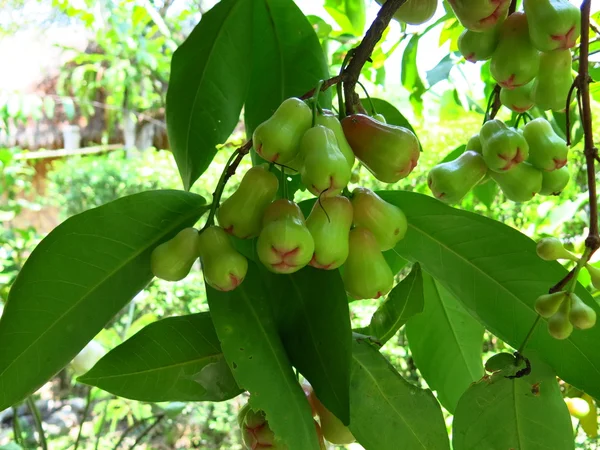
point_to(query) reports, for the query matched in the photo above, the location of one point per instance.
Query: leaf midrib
(366, 369)
(207, 358)
(201, 82)
(496, 283)
(104, 280)
(263, 331)
(452, 328)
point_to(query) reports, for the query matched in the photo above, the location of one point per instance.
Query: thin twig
(129, 429)
(362, 53)
(568, 112)
(86, 409)
(147, 430)
(37, 420)
(513, 7)
(16, 426)
(590, 151)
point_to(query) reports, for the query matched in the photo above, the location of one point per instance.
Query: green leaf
(486, 192)
(350, 15)
(311, 309)
(285, 64)
(174, 359)
(446, 344)
(78, 278)
(454, 154)
(411, 80)
(441, 71)
(494, 271)
(208, 84)
(405, 300)
(254, 351)
(522, 413)
(389, 413)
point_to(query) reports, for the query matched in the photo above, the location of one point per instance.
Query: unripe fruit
(366, 272)
(476, 46)
(284, 245)
(380, 117)
(415, 12)
(173, 260)
(578, 407)
(551, 249)
(594, 275)
(223, 266)
(333, 429)
(519, 99)
(450, 181)
(480, 15)
(554, 80)
(519, 184)
(387, 222)
(389, 152)
(241, 214)
(547, 151)
(554, 182)
(325, 170)
(277, 139)
(500, 361)
(88, 357)
(581, 315)
(256, 432)
(329, 120)
(547, 305)
(553, 24)
(559, 326)
(515, 61)
(329, 224)
(503, 147)
(474, 144)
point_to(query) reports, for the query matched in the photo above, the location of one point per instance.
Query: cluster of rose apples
(529, 51)
(256, 432)
(344, 230)
(523, 162)
(564, 309)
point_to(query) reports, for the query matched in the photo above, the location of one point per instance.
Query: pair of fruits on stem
(324, 153)
(223, 266)
(523, 162)
(257, 434)
(564, 309)
(529, 51)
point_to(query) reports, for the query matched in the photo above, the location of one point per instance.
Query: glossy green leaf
(389, 413)
(285, 64)
(78, 278)
(174, 359)
(311, 308)
(445, 343)
(405, 300)
(486, 192)
(494, 271)
(208, 84)
(411, 80)
(522, 413)
(248, 333)
(441, 71)
(395, 261)
(454, 154)
(350, 15)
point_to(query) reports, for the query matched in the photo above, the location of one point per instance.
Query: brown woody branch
(363, 52)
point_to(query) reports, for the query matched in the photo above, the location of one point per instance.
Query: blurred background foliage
(123, 72)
